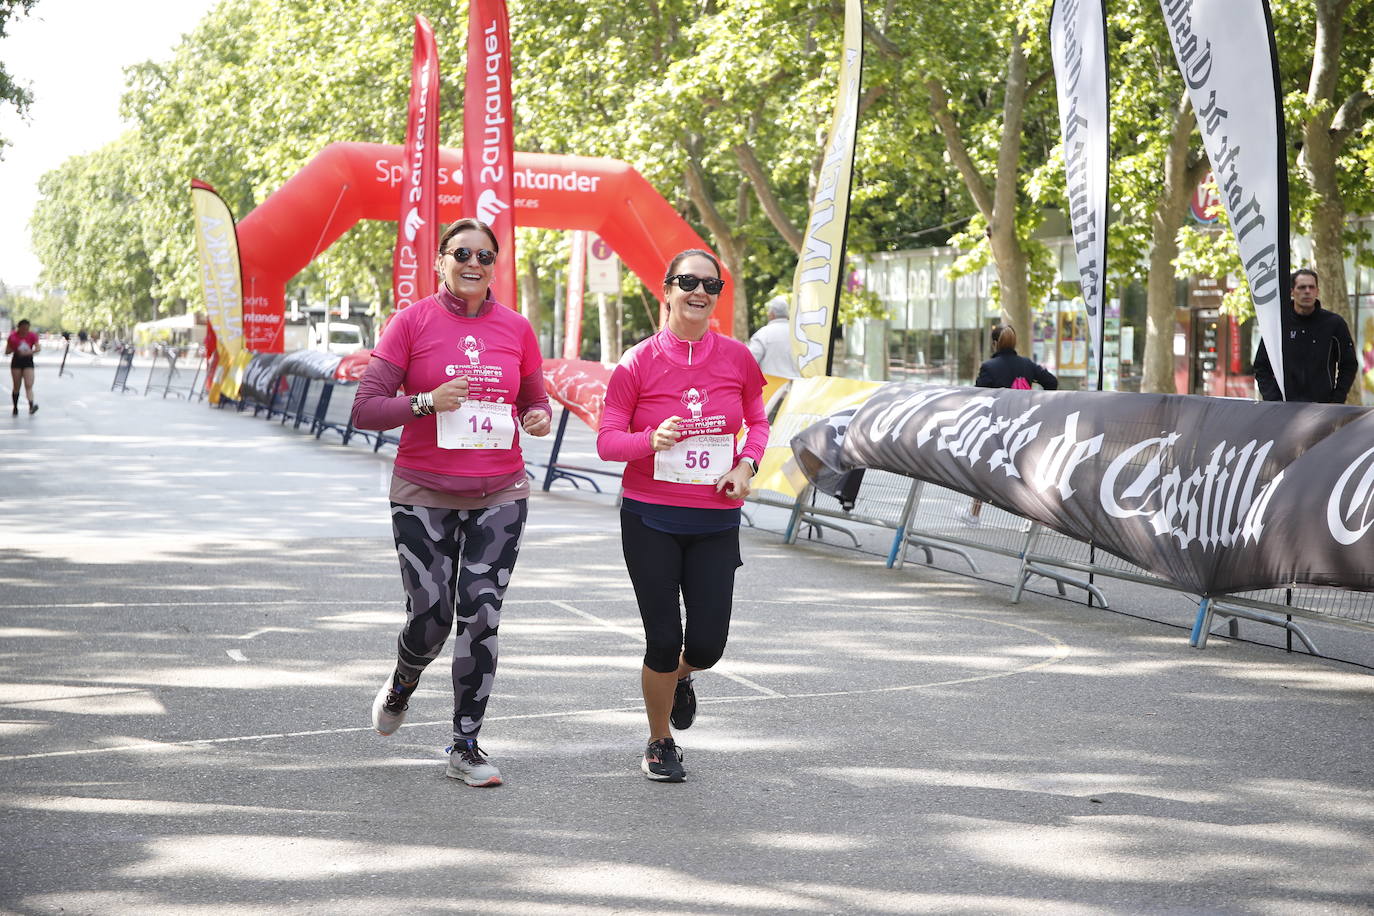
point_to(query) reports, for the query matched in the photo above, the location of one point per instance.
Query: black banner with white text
(1214, 495)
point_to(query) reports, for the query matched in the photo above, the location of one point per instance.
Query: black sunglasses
(484, 257)
(687, 283)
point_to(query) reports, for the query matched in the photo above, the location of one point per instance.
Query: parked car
(344, 338)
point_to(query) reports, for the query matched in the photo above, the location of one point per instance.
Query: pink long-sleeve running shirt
(714, 385)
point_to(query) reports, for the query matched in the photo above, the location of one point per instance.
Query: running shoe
(467, 762)
(389, 708)
(684, 704)
(662, 761)
(33, 408)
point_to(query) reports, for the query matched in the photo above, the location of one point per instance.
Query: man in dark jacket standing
(1319, 361)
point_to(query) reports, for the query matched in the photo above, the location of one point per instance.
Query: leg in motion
(427, 544)
(491, 546)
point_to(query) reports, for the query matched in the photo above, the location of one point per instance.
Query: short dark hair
(465, 224)
(684, 255)
(1293, 280)
(22, 321)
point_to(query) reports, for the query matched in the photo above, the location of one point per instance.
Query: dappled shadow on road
(189, 734)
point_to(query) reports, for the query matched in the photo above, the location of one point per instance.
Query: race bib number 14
(696, 459)
(477, 424)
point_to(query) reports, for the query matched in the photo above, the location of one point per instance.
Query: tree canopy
(12, 92)
(722, 104)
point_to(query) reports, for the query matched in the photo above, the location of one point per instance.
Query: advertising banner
(820, 273)
(1211, 494)
(579, 385)
(417, 231)
(1225, 51)
(1078, 47)
(808, 401)
(489, 136)
(220, 279)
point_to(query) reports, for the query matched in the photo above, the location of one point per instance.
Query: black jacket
(1005, 367)
(1319, 363)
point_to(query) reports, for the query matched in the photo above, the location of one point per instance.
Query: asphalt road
(197, 607)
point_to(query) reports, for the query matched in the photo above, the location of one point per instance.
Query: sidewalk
(197, 607)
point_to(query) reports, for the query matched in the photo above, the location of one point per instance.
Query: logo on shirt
(472, 348)
(694, 399)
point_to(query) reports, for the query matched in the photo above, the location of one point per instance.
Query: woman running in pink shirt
(674, 408)
(474, 381)
(20, 346)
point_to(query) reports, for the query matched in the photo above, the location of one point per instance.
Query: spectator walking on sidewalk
(772, 343)
(1006, 369)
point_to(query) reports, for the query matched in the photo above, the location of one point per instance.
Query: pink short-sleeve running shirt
(433, 346)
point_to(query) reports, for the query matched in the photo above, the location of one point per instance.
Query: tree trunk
(609, 311)
(1006, 246)
(1323, 135)
(763, 190)
(531, 305)
(727, 244)
(998, 203)
(1170, 210)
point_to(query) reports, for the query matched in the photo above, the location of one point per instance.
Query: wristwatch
(752, 463)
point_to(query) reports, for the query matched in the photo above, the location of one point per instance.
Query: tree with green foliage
(89, 232)
(12, 92)
(1157, 161)
(1327, 77)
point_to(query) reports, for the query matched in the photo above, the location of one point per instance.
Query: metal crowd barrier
(929, 517)
(554, 471)
(122, 370)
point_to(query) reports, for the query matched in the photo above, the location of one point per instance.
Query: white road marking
(1060, 651)
(638, 637)
(236, 654)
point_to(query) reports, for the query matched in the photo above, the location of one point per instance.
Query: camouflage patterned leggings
(455, 566)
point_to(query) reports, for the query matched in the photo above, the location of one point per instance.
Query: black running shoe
(662, 761)
(684, 704)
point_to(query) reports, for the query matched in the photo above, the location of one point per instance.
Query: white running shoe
(467, 762)
(389, 707)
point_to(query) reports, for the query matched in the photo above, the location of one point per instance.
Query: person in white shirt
(772, 343)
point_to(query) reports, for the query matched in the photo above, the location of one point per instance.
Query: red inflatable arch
(348, 182)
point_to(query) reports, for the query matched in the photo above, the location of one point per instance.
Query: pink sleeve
(394, 347)
(532, 395)
(754, 414)
(375, 404)
(614, 440)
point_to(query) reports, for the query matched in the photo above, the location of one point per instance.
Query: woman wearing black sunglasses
(674, 408)
(473, 380)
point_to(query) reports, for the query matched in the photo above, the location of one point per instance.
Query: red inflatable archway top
(348, 182)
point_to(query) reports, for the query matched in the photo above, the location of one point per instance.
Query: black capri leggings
(700, 567)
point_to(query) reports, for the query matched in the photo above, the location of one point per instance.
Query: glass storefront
(938, 329)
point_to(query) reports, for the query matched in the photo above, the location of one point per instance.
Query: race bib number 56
(477, 424)
(696, 459)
